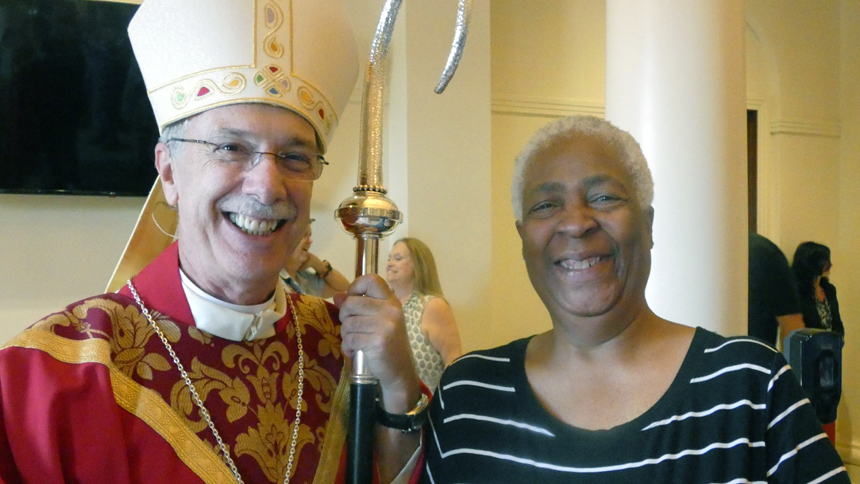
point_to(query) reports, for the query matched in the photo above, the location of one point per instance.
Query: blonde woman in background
(433, 333)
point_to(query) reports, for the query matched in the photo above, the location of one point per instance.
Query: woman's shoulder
(489, 361)
(435, 305)
(431, 307)
(723, 351)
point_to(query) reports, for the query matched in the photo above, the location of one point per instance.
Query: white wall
(55, 250)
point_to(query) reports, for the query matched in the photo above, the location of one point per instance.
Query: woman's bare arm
(440, 327)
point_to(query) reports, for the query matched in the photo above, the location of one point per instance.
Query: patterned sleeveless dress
(427, 360)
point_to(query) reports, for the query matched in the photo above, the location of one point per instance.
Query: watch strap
(410, 422)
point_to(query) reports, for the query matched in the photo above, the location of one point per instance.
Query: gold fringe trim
(335, 432)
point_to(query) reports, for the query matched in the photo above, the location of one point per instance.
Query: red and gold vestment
(91, 395)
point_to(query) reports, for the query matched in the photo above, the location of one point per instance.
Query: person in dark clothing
(811, 267)
(774, 303)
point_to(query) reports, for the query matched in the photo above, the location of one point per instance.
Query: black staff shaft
(362, 388)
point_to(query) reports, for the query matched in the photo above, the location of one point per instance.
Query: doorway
(752, 169)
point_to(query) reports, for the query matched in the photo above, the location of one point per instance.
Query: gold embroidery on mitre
(179, 97)
(306, 97)
(319, 110)
(274, 17)
(203, 89)
(233, 83)
(273, 80)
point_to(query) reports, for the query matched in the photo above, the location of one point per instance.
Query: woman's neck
(401, 290)
(817, 289)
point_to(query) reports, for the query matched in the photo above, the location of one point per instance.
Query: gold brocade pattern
(313, 311)
(251, 384)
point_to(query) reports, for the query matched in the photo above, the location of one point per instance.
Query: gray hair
(631, 154)
(176, 129)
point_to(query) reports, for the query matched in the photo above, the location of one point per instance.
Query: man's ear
(164, 164)
(519, 228)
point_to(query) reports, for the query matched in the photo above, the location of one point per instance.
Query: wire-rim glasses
(298, 165)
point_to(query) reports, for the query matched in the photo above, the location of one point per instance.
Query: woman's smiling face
(400, 268)
(586, 239)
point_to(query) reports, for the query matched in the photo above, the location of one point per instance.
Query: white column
(675, 80)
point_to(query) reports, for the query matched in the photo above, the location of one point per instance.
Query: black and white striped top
(735, 413)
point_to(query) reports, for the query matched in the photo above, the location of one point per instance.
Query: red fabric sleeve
(59, 423)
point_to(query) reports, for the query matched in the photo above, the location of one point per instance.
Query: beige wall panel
(804, 37)
(549, 49)
(447, 146)
(848, 247)
(809, 170)
(516, 308)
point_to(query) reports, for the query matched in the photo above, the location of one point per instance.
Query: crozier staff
(203, 358)
(614, 393)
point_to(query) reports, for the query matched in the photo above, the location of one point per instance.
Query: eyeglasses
(298, 165)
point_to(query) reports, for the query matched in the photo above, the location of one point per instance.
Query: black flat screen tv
(74, 116)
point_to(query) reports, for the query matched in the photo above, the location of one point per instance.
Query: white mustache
(251, 207)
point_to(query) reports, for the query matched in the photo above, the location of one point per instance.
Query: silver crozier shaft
(369, 215)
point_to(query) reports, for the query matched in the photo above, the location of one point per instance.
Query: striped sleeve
(798, 448)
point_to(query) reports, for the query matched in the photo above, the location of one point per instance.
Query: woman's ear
(650, 214)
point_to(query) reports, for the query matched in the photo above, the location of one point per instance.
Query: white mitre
(198, 54)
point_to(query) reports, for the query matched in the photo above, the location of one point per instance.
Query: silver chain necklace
(199, 402)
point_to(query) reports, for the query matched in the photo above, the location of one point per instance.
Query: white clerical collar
(233, 321)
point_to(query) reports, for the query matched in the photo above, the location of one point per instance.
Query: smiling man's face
(586, 239)
(238, 223)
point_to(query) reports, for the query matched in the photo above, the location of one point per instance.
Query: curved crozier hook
(464, 13)
(370, 149)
